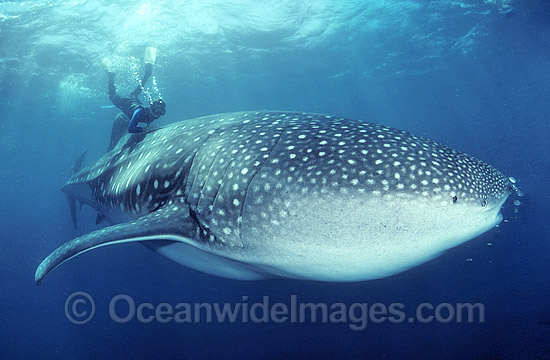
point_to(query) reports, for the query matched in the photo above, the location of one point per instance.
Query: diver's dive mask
(158, 108)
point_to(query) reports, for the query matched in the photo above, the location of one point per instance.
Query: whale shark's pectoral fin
(169, 224)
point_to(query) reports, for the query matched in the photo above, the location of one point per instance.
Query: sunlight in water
(71, 92)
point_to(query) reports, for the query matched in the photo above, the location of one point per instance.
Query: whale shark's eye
(484, 203)
(455, 199)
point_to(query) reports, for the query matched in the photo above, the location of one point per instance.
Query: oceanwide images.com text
(80, 309)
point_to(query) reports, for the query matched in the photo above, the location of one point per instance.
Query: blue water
(471, 74)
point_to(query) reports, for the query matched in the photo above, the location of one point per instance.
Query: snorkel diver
(133, 112)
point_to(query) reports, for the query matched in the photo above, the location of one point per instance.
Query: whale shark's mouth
(498, 203)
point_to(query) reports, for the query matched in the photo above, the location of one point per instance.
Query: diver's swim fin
(150, 55)
(106, 64)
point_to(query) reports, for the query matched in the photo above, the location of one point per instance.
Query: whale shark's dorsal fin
(172, 223)
(78, 163)
(72, 202)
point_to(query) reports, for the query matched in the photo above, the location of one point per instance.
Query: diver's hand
(148, 129)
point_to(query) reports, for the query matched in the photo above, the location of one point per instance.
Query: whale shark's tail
(72, 201)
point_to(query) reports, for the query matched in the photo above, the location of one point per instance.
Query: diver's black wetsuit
(132, 111)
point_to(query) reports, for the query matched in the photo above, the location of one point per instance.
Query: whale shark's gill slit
(282, 132)
(194, 185)
(192, 173)
(204, 234)
(186, 182)
(181, 178)
(178, 180)
(157, 206)
(245, 156)
(209, 172)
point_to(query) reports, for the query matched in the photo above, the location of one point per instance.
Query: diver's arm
(137, 117)
(148, 72)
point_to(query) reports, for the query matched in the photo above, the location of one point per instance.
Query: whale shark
(271, 194)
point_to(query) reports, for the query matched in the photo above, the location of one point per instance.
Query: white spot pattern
(232, 168)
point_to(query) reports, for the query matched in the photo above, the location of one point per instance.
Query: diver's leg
(116, 99)
(148, 72)
(120, 127)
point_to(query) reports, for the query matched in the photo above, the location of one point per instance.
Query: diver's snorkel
(157, 109)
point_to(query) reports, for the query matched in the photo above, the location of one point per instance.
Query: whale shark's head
(354, 200)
